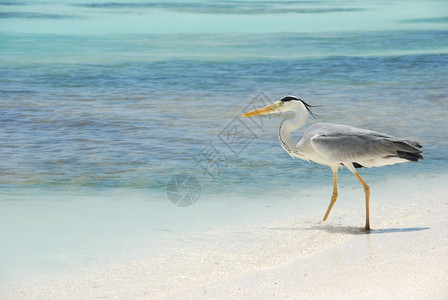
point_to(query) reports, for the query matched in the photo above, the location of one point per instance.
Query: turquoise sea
(105, 105)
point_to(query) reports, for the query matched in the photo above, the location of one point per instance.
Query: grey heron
(336, 145)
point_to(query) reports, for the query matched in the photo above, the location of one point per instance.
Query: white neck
(290, 125)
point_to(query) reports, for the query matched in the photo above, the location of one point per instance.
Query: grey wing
(349, 144)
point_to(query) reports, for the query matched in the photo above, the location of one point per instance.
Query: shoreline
(403, 256)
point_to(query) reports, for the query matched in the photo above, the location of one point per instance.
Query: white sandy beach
(395, 263)
(404, 257)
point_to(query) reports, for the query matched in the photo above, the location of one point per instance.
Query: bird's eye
(281, 103)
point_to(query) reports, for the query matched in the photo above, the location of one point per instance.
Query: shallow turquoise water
(101, 103)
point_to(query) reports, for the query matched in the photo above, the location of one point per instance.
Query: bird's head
(285, 104)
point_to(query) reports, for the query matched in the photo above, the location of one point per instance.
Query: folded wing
(364, 148)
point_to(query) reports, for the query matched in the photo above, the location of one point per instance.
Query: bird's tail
(406, 149)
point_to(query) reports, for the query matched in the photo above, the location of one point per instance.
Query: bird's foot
(366, 229)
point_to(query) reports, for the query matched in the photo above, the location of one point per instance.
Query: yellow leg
(367, 192)
(334, 196)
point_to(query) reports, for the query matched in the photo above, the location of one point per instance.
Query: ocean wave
(234, 7)
(426, 20)
(34, 15)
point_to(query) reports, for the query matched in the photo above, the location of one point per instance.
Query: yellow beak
(260, 111)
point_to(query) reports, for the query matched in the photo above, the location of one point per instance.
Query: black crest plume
(294, 98)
